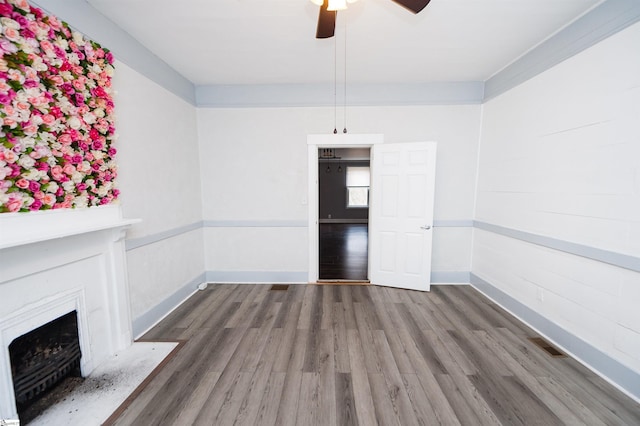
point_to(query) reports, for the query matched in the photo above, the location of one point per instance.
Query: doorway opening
(328, 141)
(401, 208)
(343, 213)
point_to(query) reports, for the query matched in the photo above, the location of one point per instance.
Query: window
(358, 187)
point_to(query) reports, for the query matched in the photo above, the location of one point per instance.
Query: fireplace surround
(53, 263)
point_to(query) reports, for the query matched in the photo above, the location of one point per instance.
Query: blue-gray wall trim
(450, 277)
(83, 17)
(606, 256)
(437, 277)
(623, 376)
(134, 243)
(255, 223)
(460, 223)
(613, 258)
(601, 22)
(147, 320)
(321, 95)
(257, 276)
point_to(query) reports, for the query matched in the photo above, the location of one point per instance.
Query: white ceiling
(213, 42)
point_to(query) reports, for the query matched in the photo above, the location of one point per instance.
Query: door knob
(425, 227)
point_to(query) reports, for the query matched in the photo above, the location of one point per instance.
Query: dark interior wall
(333, 191)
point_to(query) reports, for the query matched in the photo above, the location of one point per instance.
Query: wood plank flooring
(363, 355)
(343, 251)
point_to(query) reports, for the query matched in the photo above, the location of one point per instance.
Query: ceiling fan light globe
(317, 2)
(351, 1)
(335, 5)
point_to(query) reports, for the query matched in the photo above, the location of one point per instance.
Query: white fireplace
(56, 262)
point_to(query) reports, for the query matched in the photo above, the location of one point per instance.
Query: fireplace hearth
(43, 357)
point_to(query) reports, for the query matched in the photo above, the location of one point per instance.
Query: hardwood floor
(363, 355)
(343, 251)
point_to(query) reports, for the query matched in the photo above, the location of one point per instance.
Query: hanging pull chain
(345, 79)
(335, 85)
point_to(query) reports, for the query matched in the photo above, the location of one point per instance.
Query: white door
(401, 215)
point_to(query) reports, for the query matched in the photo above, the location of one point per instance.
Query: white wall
(254, 177)
(560, 158)
(159, 178)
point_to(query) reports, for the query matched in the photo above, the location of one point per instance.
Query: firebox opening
(41, 359)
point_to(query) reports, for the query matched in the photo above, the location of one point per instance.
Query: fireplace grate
(43, 357)
(33, 381)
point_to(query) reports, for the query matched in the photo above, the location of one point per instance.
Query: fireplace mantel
(18, 229)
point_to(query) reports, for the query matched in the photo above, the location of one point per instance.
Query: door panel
(413, 259)
(388, 257)
(401, 215)
(417, 205)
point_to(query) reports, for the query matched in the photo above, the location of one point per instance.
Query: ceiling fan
(329, 10)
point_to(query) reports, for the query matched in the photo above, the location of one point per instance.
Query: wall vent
(547, 347)
(280, 287)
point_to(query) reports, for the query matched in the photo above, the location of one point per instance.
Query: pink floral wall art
(56, 114)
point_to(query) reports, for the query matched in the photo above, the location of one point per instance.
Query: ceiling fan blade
(326, 21)
(413, 5)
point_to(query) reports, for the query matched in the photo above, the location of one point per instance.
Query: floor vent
(280, 287)
(547, 347)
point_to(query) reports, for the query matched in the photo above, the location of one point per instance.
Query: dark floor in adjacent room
(343, 251)
(363, 355)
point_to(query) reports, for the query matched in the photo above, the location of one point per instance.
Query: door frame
(315, 142)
